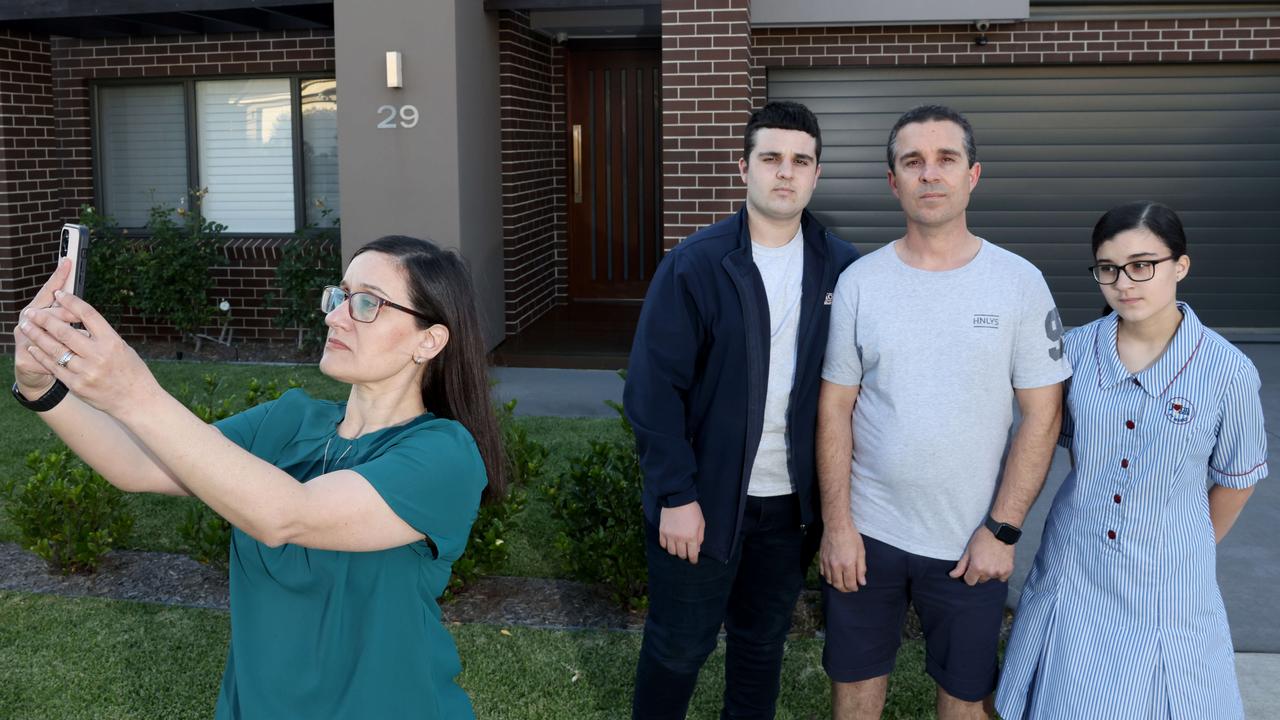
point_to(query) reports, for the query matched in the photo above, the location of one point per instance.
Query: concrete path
(563, 393)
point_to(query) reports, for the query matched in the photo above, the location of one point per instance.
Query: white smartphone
(75, 245)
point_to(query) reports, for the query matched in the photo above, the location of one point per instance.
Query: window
(320, 149)
(265, 149)
(143, 137)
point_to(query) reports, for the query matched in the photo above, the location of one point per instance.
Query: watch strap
(1004, 532)
(47, 401)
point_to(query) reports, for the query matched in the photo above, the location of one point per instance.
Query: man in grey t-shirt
(932, 338)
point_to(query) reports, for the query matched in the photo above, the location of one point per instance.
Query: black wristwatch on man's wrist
(1004, 532)
(47, 401)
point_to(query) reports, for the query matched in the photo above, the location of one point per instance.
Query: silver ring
(66, 358)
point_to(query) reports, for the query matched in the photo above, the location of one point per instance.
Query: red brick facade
(29, 173)
(705, 43)
(51, 180)
(535, 243)
(706, 91)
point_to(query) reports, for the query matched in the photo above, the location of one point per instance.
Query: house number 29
(405, 116)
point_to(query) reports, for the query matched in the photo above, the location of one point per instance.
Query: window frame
(193, 155)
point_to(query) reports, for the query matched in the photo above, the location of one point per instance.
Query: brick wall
(706, 100)
(76, 63)
(29, 217)
(705, 43)
(535, 243)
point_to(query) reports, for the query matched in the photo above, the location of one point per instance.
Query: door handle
(577, 163)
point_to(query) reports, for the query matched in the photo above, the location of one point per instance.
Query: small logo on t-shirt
(829, 299)
(986, 321)
(1179, 411)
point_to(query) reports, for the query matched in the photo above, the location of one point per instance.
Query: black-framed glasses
(363, 306)
(1138, 271)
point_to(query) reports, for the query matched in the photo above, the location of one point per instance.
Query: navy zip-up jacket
(699, 370)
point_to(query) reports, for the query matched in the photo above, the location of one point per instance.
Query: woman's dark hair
(456, 383)
(1159, 219)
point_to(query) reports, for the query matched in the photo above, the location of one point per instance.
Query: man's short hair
(783, 116)
(931, 113)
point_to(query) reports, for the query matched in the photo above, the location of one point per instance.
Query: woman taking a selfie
(347, 515)
(1121, 616)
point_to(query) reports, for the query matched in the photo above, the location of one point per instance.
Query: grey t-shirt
(937, 356)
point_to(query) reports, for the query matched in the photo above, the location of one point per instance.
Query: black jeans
(753, 595)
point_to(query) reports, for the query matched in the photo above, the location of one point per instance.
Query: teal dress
(328, 634)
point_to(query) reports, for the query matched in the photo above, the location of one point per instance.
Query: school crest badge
(1179, 411)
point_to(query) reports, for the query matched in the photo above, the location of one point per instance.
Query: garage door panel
(1120, 189)
(1062, 144)
(1124, 189)
(1079, 152)
(1093, 101)
(1073, 135)
(1188, 204)
(978, 94)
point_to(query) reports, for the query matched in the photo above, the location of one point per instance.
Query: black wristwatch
(1004, 532)
(47, 401)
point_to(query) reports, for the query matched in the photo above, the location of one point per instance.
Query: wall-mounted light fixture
(395, 73)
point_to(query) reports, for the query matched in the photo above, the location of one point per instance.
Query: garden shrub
(165, 275)
(308, 264)
(66, 513)
(204, 533)
(487, 547)
(174, 275)
(597, 504)
(113, 266)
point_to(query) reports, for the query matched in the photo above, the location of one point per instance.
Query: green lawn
(90, 658)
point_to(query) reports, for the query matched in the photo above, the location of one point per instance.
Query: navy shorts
(961, 624)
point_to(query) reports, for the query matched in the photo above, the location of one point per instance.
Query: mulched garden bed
(172, 579)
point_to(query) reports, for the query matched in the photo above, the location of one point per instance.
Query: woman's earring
(417, 360)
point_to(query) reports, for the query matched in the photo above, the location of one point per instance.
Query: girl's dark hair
(456, 383)
(1159, 219)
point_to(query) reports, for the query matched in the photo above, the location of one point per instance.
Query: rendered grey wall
(480, 159)
(441, 178)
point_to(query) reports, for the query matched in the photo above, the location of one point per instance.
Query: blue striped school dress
(1121, 617)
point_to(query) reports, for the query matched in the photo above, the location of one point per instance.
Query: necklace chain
(324, 464)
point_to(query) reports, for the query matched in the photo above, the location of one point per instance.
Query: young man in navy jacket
(722, 390)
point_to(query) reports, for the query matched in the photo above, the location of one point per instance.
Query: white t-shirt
(781, 269)
(937, 356)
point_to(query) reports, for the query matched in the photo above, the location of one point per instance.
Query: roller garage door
(1061, 145)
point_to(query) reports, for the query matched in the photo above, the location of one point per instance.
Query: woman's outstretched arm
(93, 435)
(336, 511)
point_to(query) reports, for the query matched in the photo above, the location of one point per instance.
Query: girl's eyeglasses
(1138, 271)
(363, 306)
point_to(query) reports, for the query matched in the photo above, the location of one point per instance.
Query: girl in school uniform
(1121, 616)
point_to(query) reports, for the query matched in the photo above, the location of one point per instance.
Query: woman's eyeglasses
(363, 306)
(1137, 271)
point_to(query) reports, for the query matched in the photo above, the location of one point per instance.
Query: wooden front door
(614, 179)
